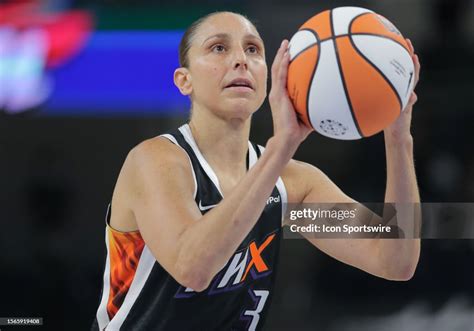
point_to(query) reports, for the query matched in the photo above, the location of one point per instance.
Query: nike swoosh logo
(203, 208)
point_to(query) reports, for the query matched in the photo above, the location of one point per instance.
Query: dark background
(57, 175)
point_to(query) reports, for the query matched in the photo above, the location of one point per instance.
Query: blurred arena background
(82, 82)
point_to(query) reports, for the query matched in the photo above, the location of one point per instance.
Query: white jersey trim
(186, 131)
(173, 140)
(102, 315)
(145, 265)
(188, 136)
(282, 189)
(252, 156)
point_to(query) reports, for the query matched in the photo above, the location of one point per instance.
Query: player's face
(227, 66)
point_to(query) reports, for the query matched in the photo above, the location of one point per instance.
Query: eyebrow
(227, 36)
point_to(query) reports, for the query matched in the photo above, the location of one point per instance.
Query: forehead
(225, 23)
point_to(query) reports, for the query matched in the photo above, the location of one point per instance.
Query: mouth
(240, 84)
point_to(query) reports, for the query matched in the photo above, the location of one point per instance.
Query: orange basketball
(350, 74)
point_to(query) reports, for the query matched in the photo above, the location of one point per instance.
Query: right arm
(190, 246)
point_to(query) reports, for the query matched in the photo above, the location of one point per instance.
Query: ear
(182, 80)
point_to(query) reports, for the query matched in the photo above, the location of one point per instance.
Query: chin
(241, 111)
(239, 108)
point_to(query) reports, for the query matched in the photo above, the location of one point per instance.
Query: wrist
(282, 146)
(398, 140)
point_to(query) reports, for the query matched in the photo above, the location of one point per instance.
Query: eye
(218, 48)
(252, 49)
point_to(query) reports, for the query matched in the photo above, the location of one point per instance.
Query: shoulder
(157, 158)
(300, 178)
(156, 151)
(153, 161)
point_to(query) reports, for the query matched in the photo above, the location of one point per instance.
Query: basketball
(350, 74)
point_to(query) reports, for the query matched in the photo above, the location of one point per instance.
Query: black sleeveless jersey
(238, 297)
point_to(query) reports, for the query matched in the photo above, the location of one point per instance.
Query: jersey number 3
(259, 296)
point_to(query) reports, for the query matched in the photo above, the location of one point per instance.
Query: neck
(222, 142)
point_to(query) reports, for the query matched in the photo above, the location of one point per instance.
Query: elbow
(190, 271)
(402, 273)
(193, 278)
(402, 268)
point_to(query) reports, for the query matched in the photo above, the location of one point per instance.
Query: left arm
(394, 259)
(402, 188)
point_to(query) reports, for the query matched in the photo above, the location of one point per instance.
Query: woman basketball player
(180, 256)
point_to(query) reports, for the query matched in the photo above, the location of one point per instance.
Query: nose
(240, 59)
